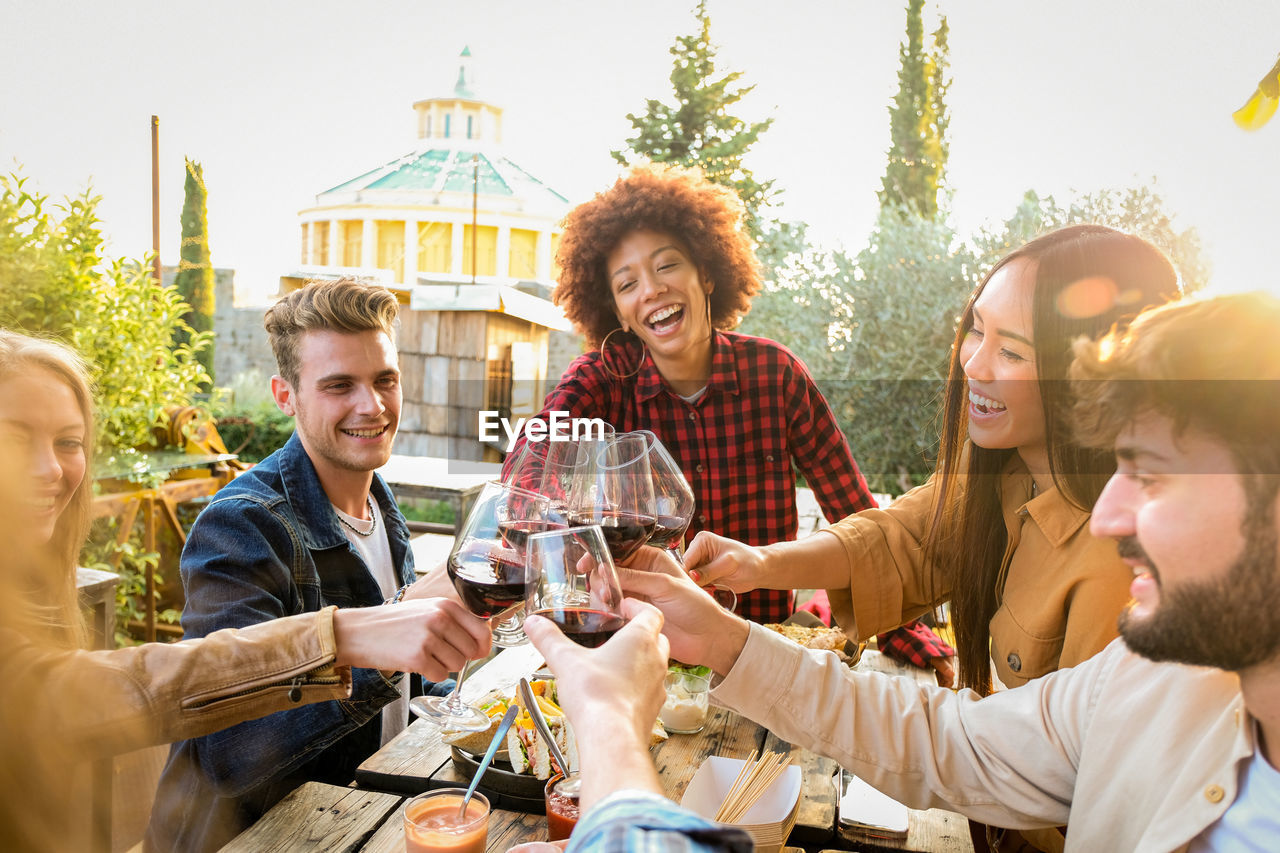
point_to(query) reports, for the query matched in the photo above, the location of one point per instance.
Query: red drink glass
(562, 810)
(431, 823)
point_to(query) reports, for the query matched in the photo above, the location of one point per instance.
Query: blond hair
(340, 305)
(52, 596)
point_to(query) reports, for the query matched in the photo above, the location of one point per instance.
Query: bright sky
(281, 100)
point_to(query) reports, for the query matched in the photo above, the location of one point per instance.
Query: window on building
(497, 379)
(447, 117)
(524, 253)
(306, 243)
(352, 232)
(435, 246)
(486, 252)
(391, 247)
(470, 124)
(320, 246)
(428, 128)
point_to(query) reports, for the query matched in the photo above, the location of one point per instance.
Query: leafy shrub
(57, 281)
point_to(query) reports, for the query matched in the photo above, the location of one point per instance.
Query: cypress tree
(195, 280)
(918, 120)
(698, 129)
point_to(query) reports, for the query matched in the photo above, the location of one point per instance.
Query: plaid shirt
(640, 822)
(735, 444)
(914, 643)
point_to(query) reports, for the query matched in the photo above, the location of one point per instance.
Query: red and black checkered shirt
(736, 444)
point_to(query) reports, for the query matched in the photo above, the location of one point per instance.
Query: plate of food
(523, 764)
(820, 637)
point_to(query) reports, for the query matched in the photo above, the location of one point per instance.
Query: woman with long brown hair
(1000, 530)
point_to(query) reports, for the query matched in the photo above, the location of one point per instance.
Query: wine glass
(551, 468)
(487, 567)
(571, 580)
(675, 504)
(673, 498)
(615, 492)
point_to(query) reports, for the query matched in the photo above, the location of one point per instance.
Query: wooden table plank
(506, 829)
(680, 756)
(931, 831)
(318, 817)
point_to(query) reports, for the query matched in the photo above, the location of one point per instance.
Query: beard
(1230, 622)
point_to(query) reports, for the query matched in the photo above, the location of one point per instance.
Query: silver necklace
(372, 515)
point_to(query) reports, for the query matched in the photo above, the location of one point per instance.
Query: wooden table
(320, 818)
(368, 818)
(417, 760)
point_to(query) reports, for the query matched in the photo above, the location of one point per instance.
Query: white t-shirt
(375, 550)
(1252, 822)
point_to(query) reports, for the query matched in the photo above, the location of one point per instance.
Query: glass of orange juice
(432, 825)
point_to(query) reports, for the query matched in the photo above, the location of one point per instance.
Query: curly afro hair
(706, 217)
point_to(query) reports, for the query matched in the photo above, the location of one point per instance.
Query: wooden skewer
(747, 766)
(755, 778)
(770, 771)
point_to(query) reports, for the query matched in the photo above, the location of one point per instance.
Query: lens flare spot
(1088, 297)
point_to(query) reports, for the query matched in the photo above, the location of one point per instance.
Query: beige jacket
(1138, 756)
(106, 702)
(1063, 589)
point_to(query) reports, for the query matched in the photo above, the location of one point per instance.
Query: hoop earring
(605, 361)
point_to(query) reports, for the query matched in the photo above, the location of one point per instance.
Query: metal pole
(155, 197)
(475, 195)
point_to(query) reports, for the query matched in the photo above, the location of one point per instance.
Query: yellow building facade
(466, 238)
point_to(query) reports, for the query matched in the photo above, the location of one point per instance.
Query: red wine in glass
(488, 584)
(624, 532)
(586, 627)
(668, 530)
(516, 533)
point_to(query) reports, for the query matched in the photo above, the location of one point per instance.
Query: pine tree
(918, 120)
(195, 279)
(698, 129)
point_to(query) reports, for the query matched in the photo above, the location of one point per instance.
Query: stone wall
(239, 341)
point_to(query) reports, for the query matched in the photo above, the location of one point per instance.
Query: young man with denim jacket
(310, 526)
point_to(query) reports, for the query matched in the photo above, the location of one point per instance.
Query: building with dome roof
(465, 237)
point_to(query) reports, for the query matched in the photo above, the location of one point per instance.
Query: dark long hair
(1088, 278)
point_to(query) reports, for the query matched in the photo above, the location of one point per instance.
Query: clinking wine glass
(547, 468)
(674, 504)
(487, 567)
(615, 492)
(570, 579)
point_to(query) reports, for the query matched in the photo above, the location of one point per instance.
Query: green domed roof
(437, 170)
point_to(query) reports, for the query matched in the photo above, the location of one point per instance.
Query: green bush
(56, 280)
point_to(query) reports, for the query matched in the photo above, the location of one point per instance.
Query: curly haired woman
(655, 271)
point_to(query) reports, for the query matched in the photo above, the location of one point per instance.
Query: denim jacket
(270, 545)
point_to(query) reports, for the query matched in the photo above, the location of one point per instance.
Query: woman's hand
(727, 562)
(699, 630)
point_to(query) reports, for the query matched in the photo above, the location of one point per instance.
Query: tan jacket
(106, 702)
(1140, 756)
(1063, 589)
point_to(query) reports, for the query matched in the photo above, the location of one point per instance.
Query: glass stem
(454, 703)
